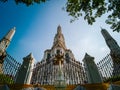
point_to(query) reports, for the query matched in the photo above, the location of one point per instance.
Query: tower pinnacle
(59, 40)
(59, 29)
(10, 34)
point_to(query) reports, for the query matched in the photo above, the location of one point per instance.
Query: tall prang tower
(114, 51)
(4, 43)
(47, 70)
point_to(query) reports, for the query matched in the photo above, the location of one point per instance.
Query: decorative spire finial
(14, 28)
(10, 34)
(59, 39)
(59, 29)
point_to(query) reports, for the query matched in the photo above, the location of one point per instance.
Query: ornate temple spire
(114, 51)
(59, 29)
(5, 41)
(59, 40)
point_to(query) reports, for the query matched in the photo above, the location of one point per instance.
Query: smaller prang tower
(4, 43)
(114, 51)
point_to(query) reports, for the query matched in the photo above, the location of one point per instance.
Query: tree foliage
(27, 2)
(92, 9)
(89, 9)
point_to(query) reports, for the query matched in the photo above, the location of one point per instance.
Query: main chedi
(47, 70)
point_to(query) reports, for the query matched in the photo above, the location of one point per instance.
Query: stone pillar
(25, 72)
(91, 69)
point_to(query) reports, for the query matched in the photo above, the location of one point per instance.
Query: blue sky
(36, 27)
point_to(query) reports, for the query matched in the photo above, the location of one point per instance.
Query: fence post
(91, 70)
(25, 71)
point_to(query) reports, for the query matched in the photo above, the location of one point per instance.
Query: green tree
(6, 79)
(27, 2)
(92, 9)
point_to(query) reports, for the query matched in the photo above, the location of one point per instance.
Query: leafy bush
(6, 79)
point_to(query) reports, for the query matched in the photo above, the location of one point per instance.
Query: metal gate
(9, 69)
(107, 68)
